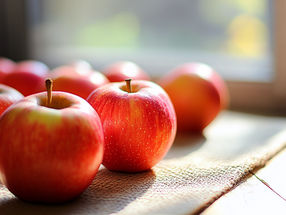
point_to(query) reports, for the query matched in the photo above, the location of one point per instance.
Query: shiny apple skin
(6, 66)
(139, 127)
(77, 80)
(8, 96)
(28, 77)
(81, 65)
(198, 94)
(50, 155)
(121, 71)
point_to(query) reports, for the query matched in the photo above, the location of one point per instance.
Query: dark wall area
(14, 29)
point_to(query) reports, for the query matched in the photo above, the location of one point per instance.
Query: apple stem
(49, 87)
(128, 85)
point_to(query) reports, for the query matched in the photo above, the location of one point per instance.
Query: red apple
(77, 80)
(121, 71)
(50, 151)
(139, 125)
(6, 66)
(198, 94)
(27, 77)
(8, 96)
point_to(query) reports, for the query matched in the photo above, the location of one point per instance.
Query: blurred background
(243, 40)
(232, 36)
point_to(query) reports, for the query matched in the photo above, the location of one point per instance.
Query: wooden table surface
(262, 193)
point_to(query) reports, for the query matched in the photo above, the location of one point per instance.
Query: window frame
(267, 97)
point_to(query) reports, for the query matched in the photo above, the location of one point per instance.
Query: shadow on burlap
(196, 171)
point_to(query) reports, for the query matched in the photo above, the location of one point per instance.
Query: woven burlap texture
(197, 171)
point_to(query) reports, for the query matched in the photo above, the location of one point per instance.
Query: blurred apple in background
(8, 96)
(6, 66)
(139, 124)
(121, 71)
(81, 66)
(28, 77)
(77, 79)
(50, 147)
(198, 94)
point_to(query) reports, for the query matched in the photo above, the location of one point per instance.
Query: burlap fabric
(197, 171)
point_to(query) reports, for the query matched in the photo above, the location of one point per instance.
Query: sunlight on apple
(97, 78)
(82, 67)
(82, 71)
(204, 71)
(130, 70)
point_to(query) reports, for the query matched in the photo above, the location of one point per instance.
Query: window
(243, 40)
(232, 36)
